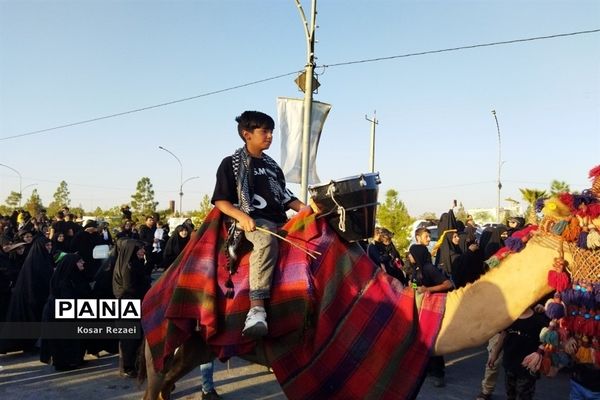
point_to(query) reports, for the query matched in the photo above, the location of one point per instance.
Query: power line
(473, 46)
(558, 35)
(87, 121)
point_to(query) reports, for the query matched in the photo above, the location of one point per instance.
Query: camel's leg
(155, 379)
(188, 356)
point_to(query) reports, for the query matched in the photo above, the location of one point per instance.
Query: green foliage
(393, 215)
(461, 214)
(13, 200)
(427, 215)
(5, 210)
(142, 202)
(34, 204)
(201, 213)
(531, 196)
(557, 187)
(60, 199)
(482, 217)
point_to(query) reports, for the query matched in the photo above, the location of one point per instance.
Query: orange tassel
(572, 231)
(546, 364)
(584, 353)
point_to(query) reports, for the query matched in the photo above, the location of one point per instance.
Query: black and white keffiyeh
(242, 170)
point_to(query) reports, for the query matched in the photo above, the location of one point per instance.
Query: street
(23, 377)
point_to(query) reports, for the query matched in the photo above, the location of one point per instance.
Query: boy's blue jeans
(578, 392)
(206, 372)
(262, 259)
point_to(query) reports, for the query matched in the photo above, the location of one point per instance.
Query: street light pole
(372, 156)
(20, 181)
(181, 191)
(499, 165)
(308, 93)
(180, 175)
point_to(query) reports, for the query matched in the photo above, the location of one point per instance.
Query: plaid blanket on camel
(339, 327)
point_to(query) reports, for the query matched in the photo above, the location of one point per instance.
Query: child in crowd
(518, 341)
(158, 237)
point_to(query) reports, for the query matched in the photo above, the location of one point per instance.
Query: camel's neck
(478, 311)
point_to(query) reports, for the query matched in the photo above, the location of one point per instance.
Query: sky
(62, 62)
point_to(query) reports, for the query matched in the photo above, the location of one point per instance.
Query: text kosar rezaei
(97, 309)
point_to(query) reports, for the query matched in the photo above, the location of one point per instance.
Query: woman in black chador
(30, 292)
(175, 245)
(131, 280)
(68, 282)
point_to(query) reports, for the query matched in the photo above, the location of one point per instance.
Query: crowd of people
(43, 259)
(458, 258)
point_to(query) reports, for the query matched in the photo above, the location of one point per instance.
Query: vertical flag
(290, 114)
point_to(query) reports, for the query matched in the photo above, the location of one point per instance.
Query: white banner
(291, 114)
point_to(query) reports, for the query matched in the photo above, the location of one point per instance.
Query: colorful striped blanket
(339, 327)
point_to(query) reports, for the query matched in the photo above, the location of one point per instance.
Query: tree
(428, 215)
(393, 215)
(482, 216)
(13, 200)
(531, 196)
(201, 213)
(34, 204)
(557, 187)
(60, 199)
(142, 202)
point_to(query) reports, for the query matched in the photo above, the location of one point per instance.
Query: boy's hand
(422, 289)
(247, 223)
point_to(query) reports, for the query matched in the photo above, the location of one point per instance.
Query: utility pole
(309, 32)
(373, 122)
(499, 166)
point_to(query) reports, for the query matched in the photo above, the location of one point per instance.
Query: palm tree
(531, 196)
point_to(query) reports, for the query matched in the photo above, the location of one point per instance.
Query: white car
(431, 226)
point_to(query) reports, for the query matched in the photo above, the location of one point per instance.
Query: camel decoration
(340, 328)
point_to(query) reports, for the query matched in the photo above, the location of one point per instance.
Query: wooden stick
(307, 251)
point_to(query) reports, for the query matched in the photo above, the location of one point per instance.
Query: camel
(469, 316)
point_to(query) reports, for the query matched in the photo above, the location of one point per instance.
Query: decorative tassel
(514, 244)
(559, 227)
(533, 361)
(593, 239)
(555, 308)
(492, 262)
(584, 353)
(588, 299)
(567, 199)
(595, 176)
(555, 209)
(229, 285)
(582, 240)
(549, 336)
(563, 330)
(546, 364)
(579, 321)
(570, 346)
(589, 328)
(561, 359)
(572, 231)
(597, 324)
(557, 277)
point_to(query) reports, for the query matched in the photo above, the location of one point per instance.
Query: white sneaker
(256, 322)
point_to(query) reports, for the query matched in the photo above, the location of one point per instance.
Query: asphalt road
(23, 377)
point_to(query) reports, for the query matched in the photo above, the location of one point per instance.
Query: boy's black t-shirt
(522, 339)
(264, 203)
(432, 276)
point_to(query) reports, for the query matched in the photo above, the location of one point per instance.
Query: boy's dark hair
(250, 120)
(420, 231)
